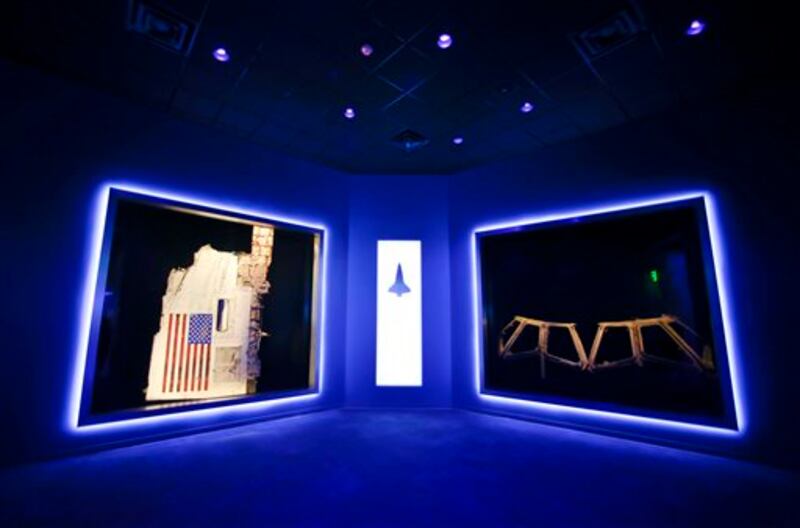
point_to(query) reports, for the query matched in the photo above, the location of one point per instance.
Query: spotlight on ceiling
(696, 27)
(526, 107)
(444, 41)
(366, 49)
(222, 55)
(350, 112)
(458, 140)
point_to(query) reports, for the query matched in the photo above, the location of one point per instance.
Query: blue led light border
(721, 275)
(89, 302)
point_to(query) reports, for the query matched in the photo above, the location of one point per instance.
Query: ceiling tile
(296, 65)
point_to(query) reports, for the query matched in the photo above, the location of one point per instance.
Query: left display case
(196, 306)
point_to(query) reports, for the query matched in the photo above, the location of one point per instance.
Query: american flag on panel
(188, 352)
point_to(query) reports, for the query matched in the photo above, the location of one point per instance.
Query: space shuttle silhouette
(399, 287)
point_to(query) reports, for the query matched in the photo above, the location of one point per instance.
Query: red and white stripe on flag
(187, 353)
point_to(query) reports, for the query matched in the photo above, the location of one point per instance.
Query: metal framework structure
(519, 324)
(701, 361)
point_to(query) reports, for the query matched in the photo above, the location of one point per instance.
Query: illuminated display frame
(722, 321)
(78, 417)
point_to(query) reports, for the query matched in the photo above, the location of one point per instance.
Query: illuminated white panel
(399, 317)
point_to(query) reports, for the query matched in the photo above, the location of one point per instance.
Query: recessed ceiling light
(444, 41)
(366, 49)
(222, 55)
(350, 112)
(526, 107)
(458, 140)
(696, 27)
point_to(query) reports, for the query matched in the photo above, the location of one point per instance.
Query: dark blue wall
(61, 141)
(398, 207)
(740, 150)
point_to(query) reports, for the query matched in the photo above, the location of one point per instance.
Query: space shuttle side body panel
(210, 329)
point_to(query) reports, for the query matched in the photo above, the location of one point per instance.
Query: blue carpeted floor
(397, 468)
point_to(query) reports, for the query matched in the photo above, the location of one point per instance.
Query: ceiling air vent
(608, 36)
(161, 26)
(409, 140)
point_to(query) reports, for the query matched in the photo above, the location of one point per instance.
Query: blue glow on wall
(89, 306)
(560, 411)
